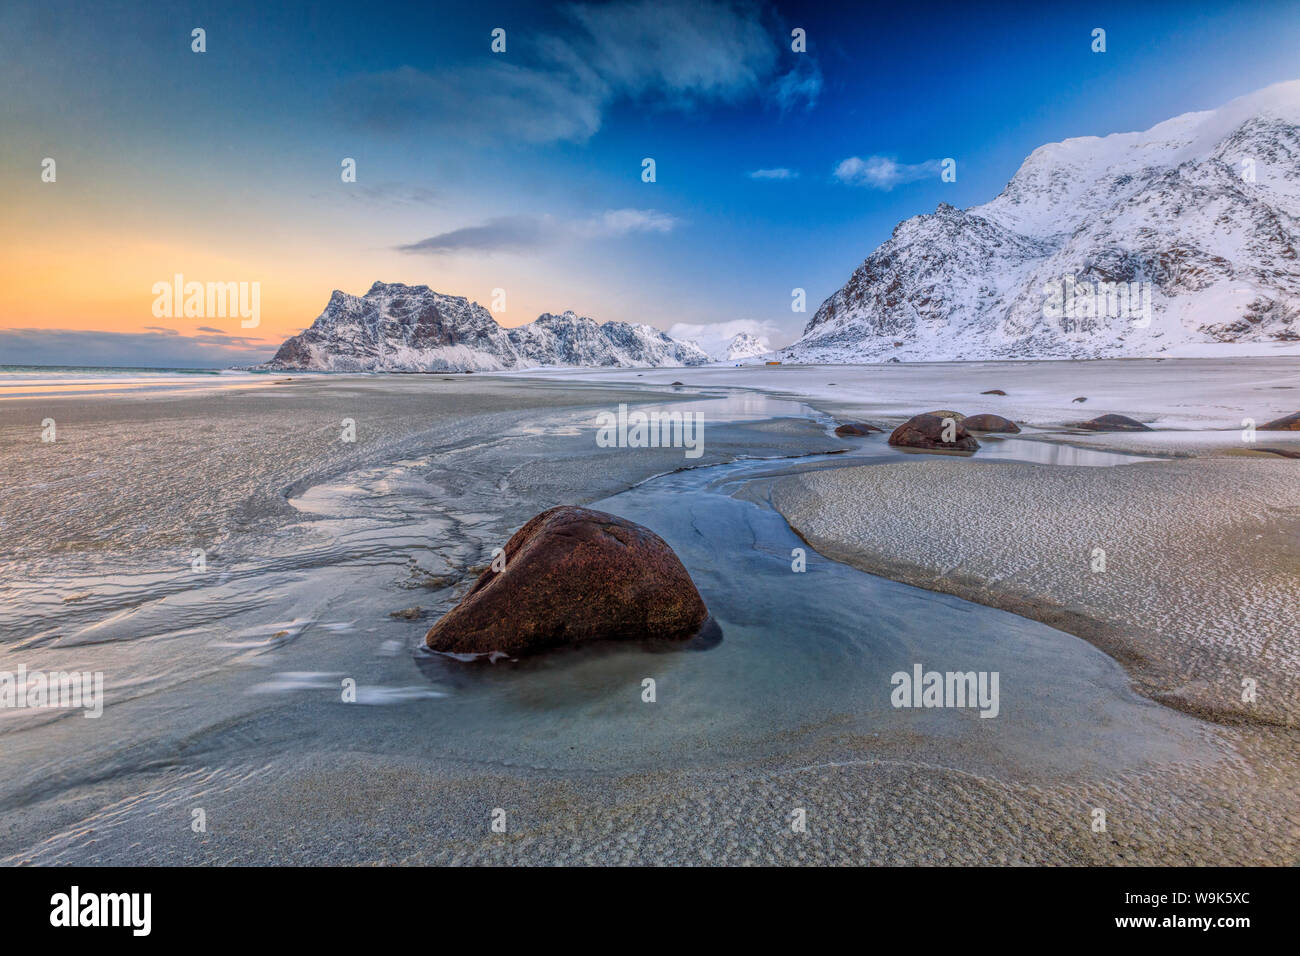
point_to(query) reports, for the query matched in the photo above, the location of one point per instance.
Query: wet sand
(230, 708)
(170, 472)
(1201, 560)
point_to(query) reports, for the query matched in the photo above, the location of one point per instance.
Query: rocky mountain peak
(1198, 218)
(399, 327)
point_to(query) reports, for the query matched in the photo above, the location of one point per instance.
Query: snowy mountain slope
(396, 327)
(569, 339)
(745, 345)
(1198, 218)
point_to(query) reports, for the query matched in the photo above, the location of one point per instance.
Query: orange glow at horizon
(94, 281)
(79, 260)
(105, 283)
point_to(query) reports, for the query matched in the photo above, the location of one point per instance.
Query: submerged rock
(1113, 423)
(993, 391)
(853, 429)
(1081, 398)
(990, 423)
(574, 575)
(926, 431)
(1288, 423)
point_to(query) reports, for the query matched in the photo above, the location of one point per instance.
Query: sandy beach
(1202, 560)
(328, 559)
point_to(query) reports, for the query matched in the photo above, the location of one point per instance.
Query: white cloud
(557, 87)
(778, 173)
(686, 49)
(622, 222)
(488, 104)
(529, 233)
(802, 85)
(883, 172)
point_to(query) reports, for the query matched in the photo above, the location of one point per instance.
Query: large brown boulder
(926, 431)
(1289, 423)
(1113, 423)
(574, 575)
(990, 423)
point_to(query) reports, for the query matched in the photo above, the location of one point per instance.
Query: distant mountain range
(401, 328)
(1195, 222)
(1168, 241)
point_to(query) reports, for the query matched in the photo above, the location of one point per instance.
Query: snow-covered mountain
(569, 339)
(401, 328)
(743, 345)
(1196, 222)
(727, 340)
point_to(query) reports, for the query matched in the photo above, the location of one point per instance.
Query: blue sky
(522, 170)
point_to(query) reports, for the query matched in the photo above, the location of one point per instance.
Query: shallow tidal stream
(243, 675)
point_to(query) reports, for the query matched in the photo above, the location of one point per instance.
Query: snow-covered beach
(327, 559)
(1201, 558)
(1185, 571)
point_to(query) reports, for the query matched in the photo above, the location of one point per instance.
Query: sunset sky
(522, 170)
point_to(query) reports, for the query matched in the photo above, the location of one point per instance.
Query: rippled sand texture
(166, 473)
(223, 687)
(1202, 573)
(1202, 559)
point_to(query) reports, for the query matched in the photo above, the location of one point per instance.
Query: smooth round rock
(990, 423)
(574, 575)
(926, 432)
